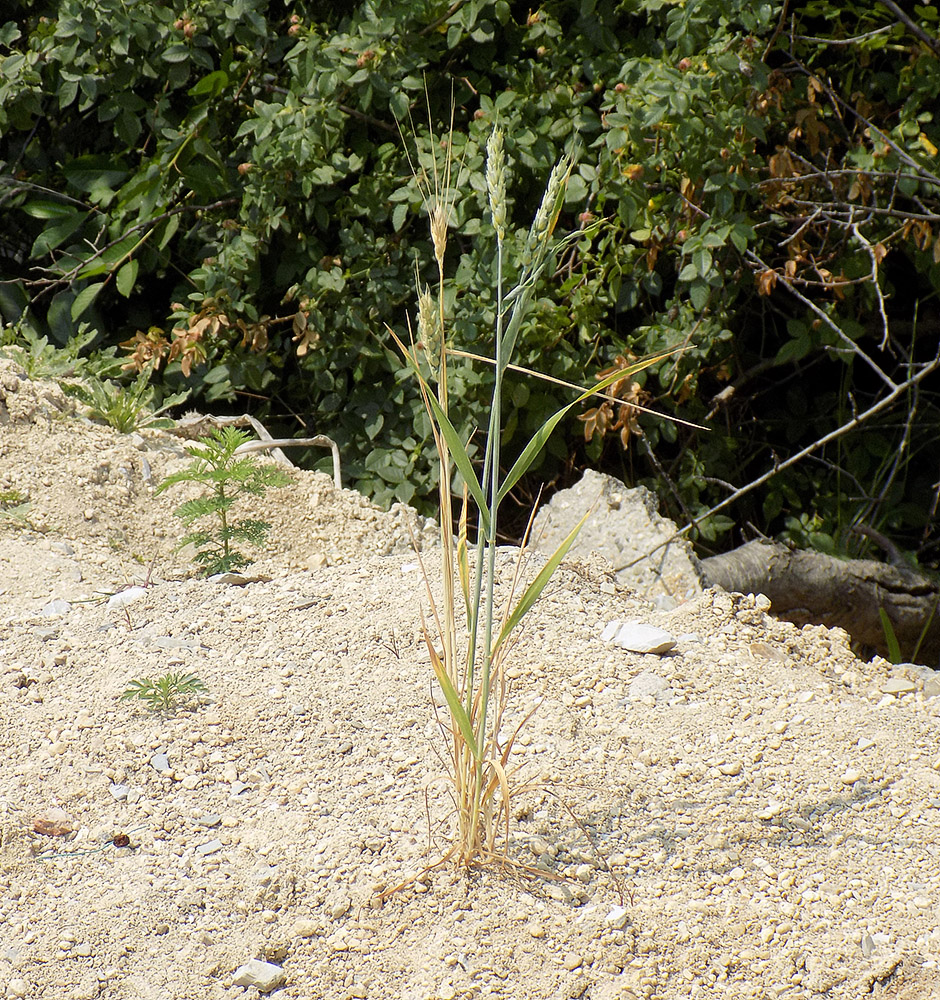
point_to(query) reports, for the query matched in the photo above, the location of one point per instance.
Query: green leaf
(536, 587)
(699, 292)
(45, 209)
(172, 224)
(212, 84)
(93, 171)
(891, 639)
(461, 460)
(126, 278)
(457, 711)
(541, 436)
(176, 53)
(84, 299)
(52, 236)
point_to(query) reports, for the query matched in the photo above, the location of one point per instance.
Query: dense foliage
(224, 190)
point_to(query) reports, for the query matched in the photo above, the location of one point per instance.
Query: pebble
(639, 638)
(850, 776)
(305, 928)
(119, 792)
(865, 744)
(264, 976)
(731, 768)
(54, 608)
(17, 987)
(618, 918)
(898, 685)
(54, 822)
(209, 847)
(125, 598)
(572, 961)
(160, 762)
(647, 685)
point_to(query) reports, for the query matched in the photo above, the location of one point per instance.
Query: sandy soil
(758, 818)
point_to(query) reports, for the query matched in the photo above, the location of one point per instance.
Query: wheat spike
(496, 181)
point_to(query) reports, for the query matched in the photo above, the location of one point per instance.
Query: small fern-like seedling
(162, 694)
(227, 477)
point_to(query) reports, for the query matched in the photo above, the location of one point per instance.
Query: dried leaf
(766, 282)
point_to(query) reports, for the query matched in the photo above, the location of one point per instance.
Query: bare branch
(829, 321)
(844, 41)
(912, 26)
(873, 256)
(856, 421)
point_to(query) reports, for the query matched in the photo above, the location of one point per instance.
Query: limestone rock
(625, 525)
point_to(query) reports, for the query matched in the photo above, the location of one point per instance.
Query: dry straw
(468, 645)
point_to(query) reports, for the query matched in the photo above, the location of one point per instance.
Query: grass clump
(163, 694)
(227, 477)
(126, 408)
(468, 647)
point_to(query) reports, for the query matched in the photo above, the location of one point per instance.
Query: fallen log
(808, 587)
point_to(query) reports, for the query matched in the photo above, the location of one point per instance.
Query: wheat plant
(468, 646)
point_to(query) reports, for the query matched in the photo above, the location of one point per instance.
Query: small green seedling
(162, 694)
(14, 508)
(227, 476)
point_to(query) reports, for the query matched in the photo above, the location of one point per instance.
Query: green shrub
(223, 191)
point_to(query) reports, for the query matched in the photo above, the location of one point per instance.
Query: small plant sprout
(14, 508)
(470, 667)
(227, 477)
(125, 408)
(163, 694)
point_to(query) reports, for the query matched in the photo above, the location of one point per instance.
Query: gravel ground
(756, 814)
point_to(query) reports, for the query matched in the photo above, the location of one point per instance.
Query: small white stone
(640, 638)
(610, 630)
(263, 975)
(584, 873)
(209, 847)
(54, 608)
(850, 776)
(865, 744)
(774, 808)
(17, 987)
(921, 902)
(731, 768)
(618, 918)
(126, 597)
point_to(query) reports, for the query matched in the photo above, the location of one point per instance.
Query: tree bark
(811, 588)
